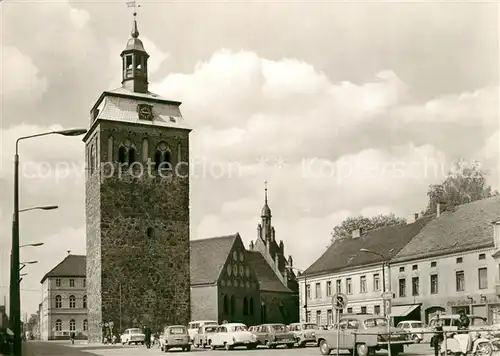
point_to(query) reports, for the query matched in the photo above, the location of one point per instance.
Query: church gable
(238, 271)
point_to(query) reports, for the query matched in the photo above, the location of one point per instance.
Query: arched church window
(167, 157)
(250, 307)
(122, 153)
(158, 160)
(110, 148)
(233, 305)
(145, 147)
(226, 305)
(92, 159)
(162, 157)
(245, 306)
(179, 153)
(131, 155)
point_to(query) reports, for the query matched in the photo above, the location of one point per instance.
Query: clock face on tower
(145, 111)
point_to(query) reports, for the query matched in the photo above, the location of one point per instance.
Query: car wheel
(188, 348)
(323, 347)
(130, 343)
(161, 348)
(212, 347)
(363, 350)
(301, 344)
(290, 346)
(484, 349)
(415, 339)
(228, 347)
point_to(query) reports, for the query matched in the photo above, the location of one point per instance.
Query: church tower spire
(135, 60)
(266, 211)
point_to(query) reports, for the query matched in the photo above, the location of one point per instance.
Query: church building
(137, 204)
(252, 286)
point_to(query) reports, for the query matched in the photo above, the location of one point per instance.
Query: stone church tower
(137, 204)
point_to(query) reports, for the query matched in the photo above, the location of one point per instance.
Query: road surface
(33, 348)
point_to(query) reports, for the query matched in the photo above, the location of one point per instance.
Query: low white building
(64, 300)
(450, 265)
(347, 269)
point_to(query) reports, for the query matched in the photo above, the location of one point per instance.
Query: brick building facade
(137, 204)
(254, 286)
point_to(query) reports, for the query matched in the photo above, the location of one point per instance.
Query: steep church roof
(465, 227)
(208, 257)
(345, 253)
(71, 266)
(268, 280)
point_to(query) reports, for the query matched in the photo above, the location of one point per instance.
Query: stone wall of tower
(93, 232)
(144, 233)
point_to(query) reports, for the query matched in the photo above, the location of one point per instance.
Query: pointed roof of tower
(134, 43)
(266, 211)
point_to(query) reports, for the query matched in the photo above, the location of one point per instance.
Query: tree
(464, 183)
(32, 322)
(345, 228)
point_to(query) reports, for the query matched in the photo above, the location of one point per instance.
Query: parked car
(175, 337)
(204, 336)
(351, 337)
(132, 336)
(273, 335)
(303, 333)
(193, 326)
(415, 329)
(450, 322)
(232, 335)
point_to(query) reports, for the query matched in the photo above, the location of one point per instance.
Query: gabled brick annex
(250, 286)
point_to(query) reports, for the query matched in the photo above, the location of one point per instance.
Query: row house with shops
(356, 267)
(452, 264)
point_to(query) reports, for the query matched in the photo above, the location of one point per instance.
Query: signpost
(387, 297)
(339, 302)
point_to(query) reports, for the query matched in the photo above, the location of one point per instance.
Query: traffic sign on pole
(339, 301)
(387, 295)
(388, 305)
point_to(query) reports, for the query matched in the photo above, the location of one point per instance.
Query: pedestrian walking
(72, 337)
(147, 336)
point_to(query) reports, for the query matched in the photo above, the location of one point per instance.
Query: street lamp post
(14, 280)
(37, 244)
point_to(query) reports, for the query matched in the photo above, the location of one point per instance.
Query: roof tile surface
(71, 266)
(268, 280)
(208, 257)
(345, 254)
(468, 227)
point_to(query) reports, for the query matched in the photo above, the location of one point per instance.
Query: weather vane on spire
(133, 4)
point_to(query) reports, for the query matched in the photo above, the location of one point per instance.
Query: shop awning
(403, 310)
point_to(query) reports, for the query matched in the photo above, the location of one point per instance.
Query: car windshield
(211, 323)
(417, 325)
(478, 321)
(310, 327)
(371, 323)
(239, 328)
(279, 327)
(210, 329)
(135, 331)
(177, 330)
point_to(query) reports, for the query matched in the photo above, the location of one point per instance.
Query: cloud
(20, 76)
(329, 150)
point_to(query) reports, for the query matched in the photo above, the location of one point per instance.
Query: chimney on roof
(356, 233)
(438, 210)
(417, 216)
(68, 251)
(251, 245)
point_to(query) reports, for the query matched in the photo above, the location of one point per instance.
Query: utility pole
(120, 286)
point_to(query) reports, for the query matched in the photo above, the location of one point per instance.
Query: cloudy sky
(345, 109)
